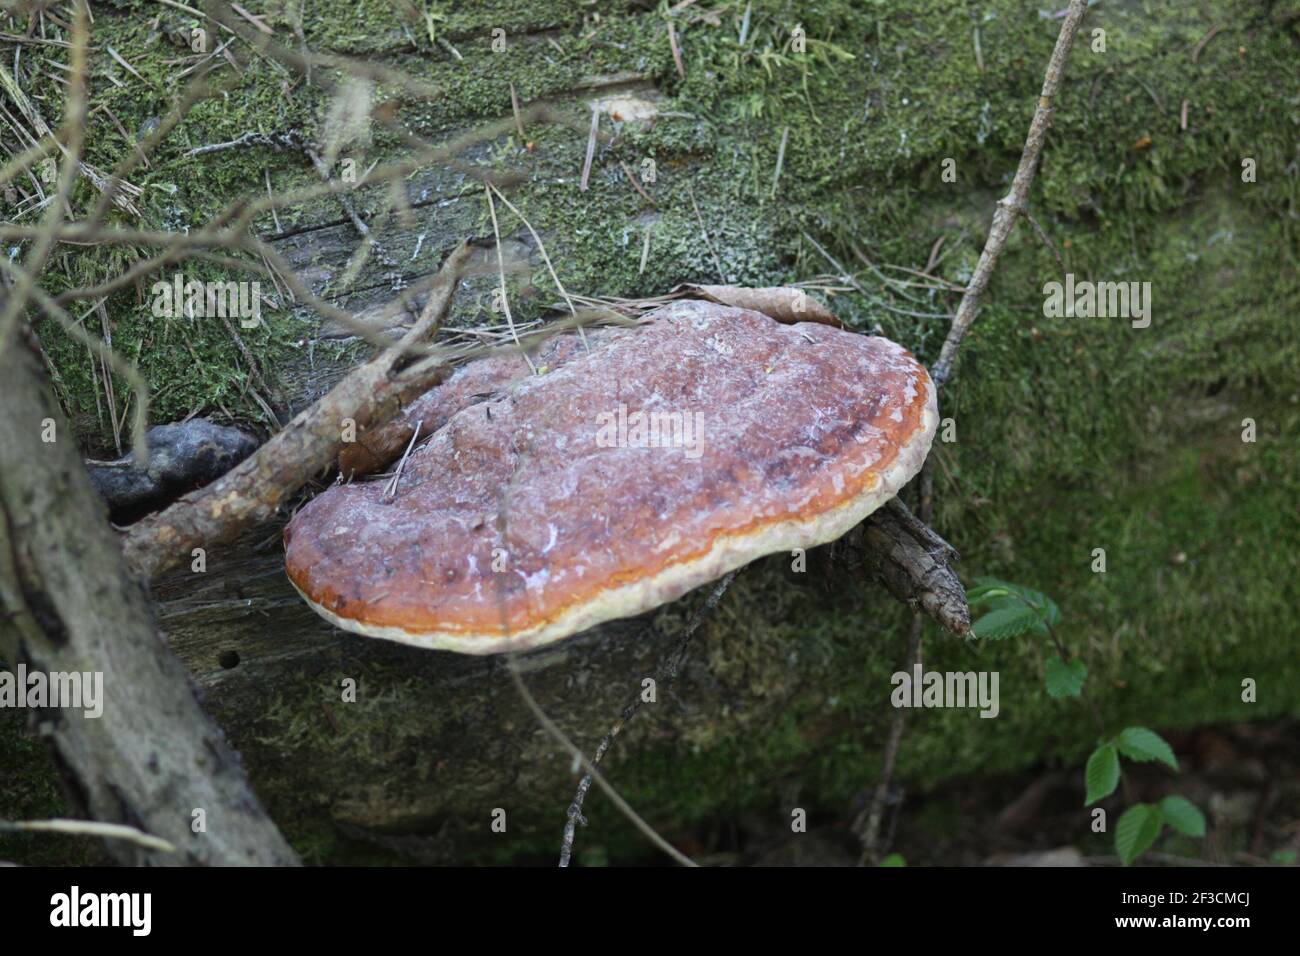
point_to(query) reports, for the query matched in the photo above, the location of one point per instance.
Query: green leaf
(1140, 744)
(1101, 776)
(1137, 829)
(894, 859)
(990, 590)
(997, 595)
(1064, 680)
(1052, 611)
(1004, 622)
(986, 591)
(1181, 814)
(1045, 610)
(994, 598)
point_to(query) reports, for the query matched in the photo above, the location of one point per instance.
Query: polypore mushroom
(617, 480)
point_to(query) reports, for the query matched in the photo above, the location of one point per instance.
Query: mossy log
(1068, 435)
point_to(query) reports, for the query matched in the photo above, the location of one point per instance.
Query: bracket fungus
(631, 470)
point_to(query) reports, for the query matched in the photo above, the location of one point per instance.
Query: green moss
(882, 94)
(191, 365)
(29, 791)
(1186, 610)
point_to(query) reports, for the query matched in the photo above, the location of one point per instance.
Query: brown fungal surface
(617, 480)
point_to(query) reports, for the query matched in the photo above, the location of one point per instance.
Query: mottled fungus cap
(617, 480)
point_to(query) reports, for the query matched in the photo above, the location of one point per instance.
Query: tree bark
(153, 758)
(915, 565)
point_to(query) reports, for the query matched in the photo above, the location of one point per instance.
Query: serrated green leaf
(1136, 830)
(1064, 680)
(1101, 776)
(1003, 623)
(1181, 814)
(989, 598)
(997, 601)
(1141, 744)
(1045, 609)
(1052, 611)
(996, 595)
(985, 591)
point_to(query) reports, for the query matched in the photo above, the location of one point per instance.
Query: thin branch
(867, 825)
(1051, 247)
(591, 149)
(501, 271)
(677, 53)
(514, 109)
(915, 565)
(401, 465)
(1016, 201)
(108, 831)
(255, 489)
(665, 676)
(624, 807)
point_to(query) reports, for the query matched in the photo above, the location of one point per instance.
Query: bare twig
(514, 109)
(397, 475)
(867, 825)
(253, 19)
(275, 141)
(666, 675)
(122, 63)
(780, 159)
(915, 565)
(108, 831)
(1016, 201)
(501, 271)
(577, 754)
(253, 490)
(1051, 247)
(1196, 50)
(636, 185)
(677, 53)
(591, 149)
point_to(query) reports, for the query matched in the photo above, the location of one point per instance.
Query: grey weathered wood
(153, 756)
(915, 565)
(431, 734)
